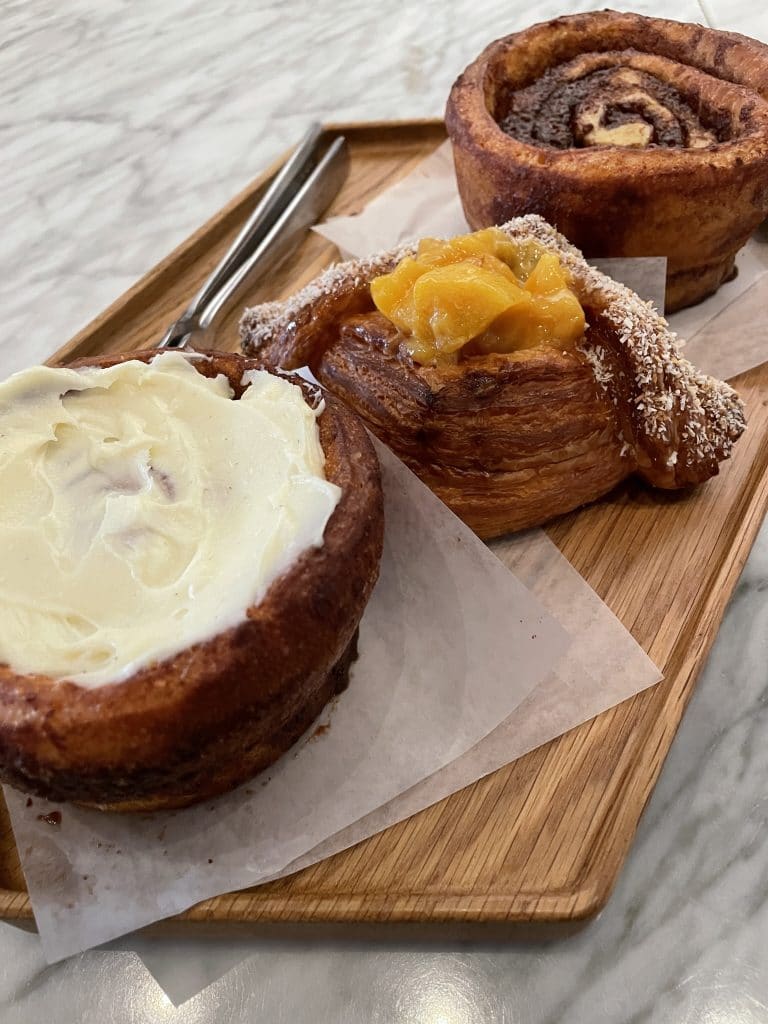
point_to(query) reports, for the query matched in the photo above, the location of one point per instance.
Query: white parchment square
(450, 644)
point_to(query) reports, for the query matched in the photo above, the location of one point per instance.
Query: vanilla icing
(143, 510)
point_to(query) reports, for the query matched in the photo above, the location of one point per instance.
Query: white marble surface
(124, 126)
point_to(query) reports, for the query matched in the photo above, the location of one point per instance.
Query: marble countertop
(125, 126)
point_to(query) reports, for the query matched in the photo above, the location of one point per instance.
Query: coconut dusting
(665, 384)
(261, 323)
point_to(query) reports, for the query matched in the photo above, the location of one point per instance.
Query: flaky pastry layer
(511, 441)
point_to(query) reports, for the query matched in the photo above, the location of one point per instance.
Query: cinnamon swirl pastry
(516, 380)
(634, 136)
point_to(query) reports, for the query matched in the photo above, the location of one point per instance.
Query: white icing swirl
(143, 510)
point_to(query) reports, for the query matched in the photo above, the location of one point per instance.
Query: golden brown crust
(220, 711)
(512, 441)
(696, 206)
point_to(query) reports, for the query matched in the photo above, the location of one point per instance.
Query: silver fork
(297, 197)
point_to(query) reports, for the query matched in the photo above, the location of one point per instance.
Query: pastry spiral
(609, 99)
(634, 136)
(510, 441)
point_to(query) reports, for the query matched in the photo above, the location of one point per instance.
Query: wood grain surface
(544, 838)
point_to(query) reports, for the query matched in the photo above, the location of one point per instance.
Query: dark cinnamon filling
(571, 107)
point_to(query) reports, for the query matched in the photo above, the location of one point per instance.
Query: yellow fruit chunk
(483, 291)
(562, 317)
(393, 293)
(489, 242)
(547, 276)
(455, 303)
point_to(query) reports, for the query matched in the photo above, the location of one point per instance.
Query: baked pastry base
(226, 765)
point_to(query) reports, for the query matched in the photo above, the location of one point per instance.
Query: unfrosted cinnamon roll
(634, 136)
(516, 380)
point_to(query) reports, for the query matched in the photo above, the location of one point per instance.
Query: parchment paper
(735, 337)
(602, 667)
(725, 334)
(450, 644)
(426, 202)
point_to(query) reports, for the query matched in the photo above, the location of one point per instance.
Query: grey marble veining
(124, 125)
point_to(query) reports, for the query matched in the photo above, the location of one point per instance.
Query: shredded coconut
(664, 384)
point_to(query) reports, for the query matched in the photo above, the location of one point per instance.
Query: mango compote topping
(479, 293)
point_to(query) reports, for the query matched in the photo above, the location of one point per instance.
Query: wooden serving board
(542, 839)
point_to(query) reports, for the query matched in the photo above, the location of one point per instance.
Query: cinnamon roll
(634, 136)
(516, 380)
(189, 599)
